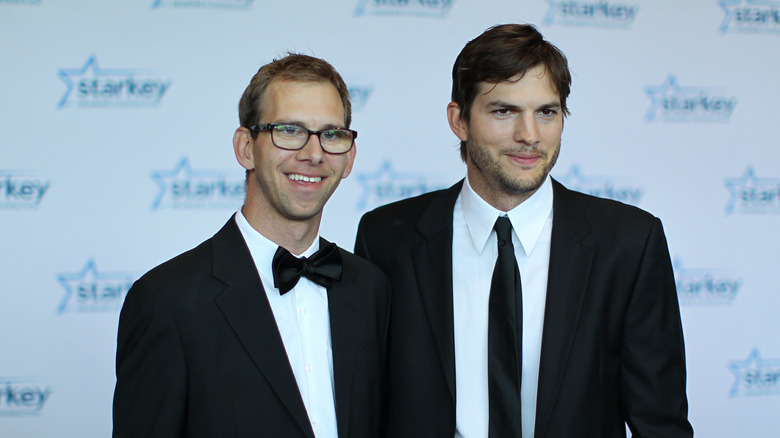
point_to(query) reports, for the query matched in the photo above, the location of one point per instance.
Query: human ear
(242, 147)
(457, 124)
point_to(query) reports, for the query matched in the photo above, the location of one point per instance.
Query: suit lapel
(432, 261)
(345, 300)
(570, 263)
(246, 308)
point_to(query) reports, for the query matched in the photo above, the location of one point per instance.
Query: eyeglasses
(294, 137)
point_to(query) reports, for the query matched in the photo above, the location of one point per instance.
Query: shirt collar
(527, 219)
(263, 249)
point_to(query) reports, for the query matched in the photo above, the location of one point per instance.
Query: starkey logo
(672, 102)
(386, 185)
(420, 8)
(21, 189)
(750, 16)
(602, 14)
(183, 187)
(91, 86)
(755, 376)
(204, 4)
(753, 195)
(91, 291)
(702, 286)
(22, 396)
(618, 189)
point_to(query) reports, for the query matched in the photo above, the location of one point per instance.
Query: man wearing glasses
(265, 329)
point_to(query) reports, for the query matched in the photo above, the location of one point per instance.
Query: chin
(524, 185)
(303, 215)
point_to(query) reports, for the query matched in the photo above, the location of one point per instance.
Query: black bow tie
(322, 267)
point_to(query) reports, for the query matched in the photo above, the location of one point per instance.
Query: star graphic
(161, 177)
(604, 187)
(549, 18)
(387, 176)
(752, 363)
(90, 68)
(669, 88)
(182, 170)
(728, 7)
(88, 273)
(747, 180)
(677, 266)
(575, 178)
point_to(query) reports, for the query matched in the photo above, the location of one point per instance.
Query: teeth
(296, 177)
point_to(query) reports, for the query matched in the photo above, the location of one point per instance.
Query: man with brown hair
(265, 329)
(521, 308)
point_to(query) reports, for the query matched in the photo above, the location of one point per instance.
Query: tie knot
(503, 229)
(322, 267)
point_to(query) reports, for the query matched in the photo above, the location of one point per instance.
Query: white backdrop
(115, 141)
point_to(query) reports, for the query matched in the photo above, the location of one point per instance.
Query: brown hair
(500, 53)
(294, 67)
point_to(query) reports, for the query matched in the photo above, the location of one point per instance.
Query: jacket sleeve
(150, 394)
(652, 371)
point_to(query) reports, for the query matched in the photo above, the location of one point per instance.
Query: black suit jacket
(199, 353)
(612, 343)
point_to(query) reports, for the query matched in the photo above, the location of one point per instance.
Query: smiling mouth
(304, 178)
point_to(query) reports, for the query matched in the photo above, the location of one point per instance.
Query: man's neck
(498, 198)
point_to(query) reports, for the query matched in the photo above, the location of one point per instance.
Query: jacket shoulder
(183, 266)
(180, 281)
(409, 211)
(362, 268)
(404, 210)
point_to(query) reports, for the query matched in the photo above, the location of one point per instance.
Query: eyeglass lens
(295, 137)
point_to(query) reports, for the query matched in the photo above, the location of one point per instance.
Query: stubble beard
(490, 167)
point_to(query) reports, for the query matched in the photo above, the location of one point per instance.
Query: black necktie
(505, 326)
(322, 267)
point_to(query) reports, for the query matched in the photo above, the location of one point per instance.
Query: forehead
(291, 101)
(533, 87)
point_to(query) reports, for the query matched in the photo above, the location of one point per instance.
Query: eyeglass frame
(269, 128)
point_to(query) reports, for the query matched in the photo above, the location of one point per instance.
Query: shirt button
(303, 310)
(308, 368)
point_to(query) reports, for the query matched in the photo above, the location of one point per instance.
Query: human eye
(289, 130)
(503, 115)
(548, 113)
(330, 134)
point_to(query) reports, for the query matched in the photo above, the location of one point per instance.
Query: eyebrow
(299, 123)
(513, 107)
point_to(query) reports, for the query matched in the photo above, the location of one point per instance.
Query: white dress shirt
(304, 323)
(474, 254)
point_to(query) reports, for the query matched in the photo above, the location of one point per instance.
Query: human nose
(312, 150)
(526, 130)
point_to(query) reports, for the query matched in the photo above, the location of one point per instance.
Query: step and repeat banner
(116, 155)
